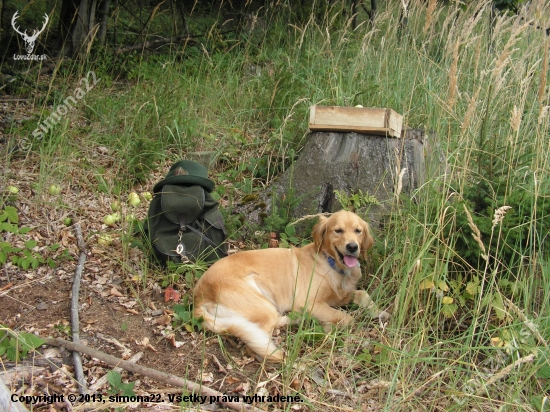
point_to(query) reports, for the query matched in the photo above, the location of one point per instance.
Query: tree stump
(381, 166)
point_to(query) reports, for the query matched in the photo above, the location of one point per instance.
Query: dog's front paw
(384, 317)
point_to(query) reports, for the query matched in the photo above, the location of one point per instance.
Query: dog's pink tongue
(350, 261)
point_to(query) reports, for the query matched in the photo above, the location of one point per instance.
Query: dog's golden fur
(248, 294)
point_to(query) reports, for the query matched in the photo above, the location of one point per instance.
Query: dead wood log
(167, 378)
(5, 400)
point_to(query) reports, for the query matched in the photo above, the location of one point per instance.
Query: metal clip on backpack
(184, 223)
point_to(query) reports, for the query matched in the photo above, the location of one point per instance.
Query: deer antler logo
(29, 40)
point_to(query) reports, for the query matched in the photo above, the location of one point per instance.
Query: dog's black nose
(352, 247)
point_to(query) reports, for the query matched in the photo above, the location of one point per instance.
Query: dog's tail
(223, 320)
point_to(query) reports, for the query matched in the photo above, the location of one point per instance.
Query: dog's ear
(367, 242)
(319, 232)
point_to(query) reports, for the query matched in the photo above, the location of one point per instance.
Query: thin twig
(310, 217)
(79, 372)
(167, 378)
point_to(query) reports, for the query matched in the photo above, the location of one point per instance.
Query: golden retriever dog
(247, 294)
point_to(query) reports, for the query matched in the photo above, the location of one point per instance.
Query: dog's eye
(358, 231)
(338, 231)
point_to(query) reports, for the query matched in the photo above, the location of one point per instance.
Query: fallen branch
(103, 380)
(167, 378)
(78, 370)
(5, 400)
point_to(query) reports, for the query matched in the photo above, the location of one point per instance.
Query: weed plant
(464, 260)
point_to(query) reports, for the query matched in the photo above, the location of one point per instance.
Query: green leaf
(29, 244)
(8, 227)
(24, 230)
(31, 340)
(364, 356)
(114, 379)
(290, 230)
(472, 288)
(128, 389)
(5, 246)
(24, 263)
(449, 310)
(12, 354)
(11, 212)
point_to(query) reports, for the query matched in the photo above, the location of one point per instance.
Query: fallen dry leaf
(171, 294)
(163, 320)
(242, 388)
(207, 377)
(231, 380)
(116, 292)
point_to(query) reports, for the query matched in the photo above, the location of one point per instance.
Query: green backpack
(184, 223)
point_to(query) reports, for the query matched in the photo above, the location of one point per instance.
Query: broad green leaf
(12, 354)
(29, 244)
(472, 288)
(12, 214)
(449, 310)
(447, 300)
(32, 340)
(114, 379)
(290, 230)
(426, 284)
(443, 286)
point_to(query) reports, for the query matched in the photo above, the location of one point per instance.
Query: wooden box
(384, 122)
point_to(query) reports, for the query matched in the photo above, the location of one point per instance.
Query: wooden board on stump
(366, 120)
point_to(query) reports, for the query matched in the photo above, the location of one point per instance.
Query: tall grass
(466, 279)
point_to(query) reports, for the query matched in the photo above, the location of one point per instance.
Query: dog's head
(344, 236)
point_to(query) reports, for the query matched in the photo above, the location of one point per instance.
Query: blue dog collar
(332, 264)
